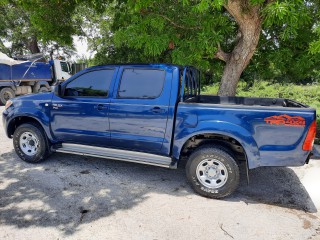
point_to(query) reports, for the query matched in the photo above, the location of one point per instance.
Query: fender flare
(38, 116)
(243, 136)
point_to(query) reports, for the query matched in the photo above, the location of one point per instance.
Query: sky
(81, 46)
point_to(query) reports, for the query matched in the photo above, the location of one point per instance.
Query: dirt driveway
(73, 197)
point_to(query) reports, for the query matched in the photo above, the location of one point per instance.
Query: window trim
(142, 98)
(93, 70)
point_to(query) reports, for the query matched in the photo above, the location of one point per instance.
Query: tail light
(311, 135)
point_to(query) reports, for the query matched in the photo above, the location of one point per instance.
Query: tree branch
(172, 22)
(234, 9)
(222, 55)
(3, 48)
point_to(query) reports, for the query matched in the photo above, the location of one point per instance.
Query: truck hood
(34, 97)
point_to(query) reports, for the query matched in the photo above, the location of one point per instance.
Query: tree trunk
(33, 46)
(249, 22)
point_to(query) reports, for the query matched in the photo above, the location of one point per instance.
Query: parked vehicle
(29, 75)
(154, 114)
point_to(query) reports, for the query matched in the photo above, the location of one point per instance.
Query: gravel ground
(73, 197)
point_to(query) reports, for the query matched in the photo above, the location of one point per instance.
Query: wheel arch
(241, 137)
(18, 120)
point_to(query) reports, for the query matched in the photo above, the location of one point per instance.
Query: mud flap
(247, 169)
(315, 152)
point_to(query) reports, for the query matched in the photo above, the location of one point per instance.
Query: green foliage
(283, 54)
(143, 31)
(287, 60)
(290, 15)
(182, 32)
(15, 28)
(195, 29)
(37, 23)
(315, 45)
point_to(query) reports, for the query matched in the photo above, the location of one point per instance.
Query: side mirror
(57, 90)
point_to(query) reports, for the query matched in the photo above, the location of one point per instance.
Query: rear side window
(91, 84)
(141, 83)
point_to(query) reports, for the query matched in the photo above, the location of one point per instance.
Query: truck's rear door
(139, 108)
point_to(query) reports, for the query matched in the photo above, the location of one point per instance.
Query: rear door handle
(101, 107)
(157, 110)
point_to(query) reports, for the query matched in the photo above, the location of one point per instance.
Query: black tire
(43, 90)
(224, 178)
(42, 145)
(5, 94)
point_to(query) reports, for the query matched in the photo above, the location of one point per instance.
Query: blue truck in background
(155, 114)
(30, 74)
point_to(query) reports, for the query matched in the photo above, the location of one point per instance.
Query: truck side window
(91, 84)
(141, 83)
(64, 67)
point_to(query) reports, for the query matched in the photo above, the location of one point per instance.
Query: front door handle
(157, 110)
(56, 106)
(101, 107)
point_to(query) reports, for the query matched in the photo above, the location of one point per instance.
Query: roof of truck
(147, 65)
(138, 65)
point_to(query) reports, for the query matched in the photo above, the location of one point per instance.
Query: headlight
(8, 104)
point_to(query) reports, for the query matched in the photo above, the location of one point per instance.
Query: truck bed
(246, 101)
(274, 128)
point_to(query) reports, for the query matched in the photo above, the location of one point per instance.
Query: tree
(34, 25)
(219, 36)
(204, 30)
(15, 27)
(286, 58)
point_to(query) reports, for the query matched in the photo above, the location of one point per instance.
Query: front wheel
(212, 172)
(30, 143)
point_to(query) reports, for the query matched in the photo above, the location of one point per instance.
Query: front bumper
(5, 114)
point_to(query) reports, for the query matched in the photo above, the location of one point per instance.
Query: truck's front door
(81, 115)
(139, 109)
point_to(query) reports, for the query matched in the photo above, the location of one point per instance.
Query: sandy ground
(73, 197)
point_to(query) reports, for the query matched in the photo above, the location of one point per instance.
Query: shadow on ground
(279, 186)
(68, 190)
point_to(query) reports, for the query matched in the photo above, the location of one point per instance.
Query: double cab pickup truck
(154, 114)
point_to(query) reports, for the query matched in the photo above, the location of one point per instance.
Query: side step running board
(117, 154)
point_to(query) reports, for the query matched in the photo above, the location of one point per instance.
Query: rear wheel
(212, 172)
(5, 94)
(43, 90)
(30, 143)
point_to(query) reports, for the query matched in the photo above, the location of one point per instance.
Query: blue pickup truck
(154, 114)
